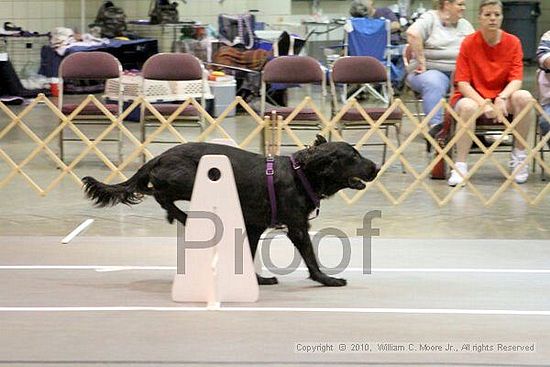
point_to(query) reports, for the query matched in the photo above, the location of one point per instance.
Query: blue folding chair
(370, 37)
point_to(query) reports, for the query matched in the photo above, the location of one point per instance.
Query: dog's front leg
(300, 239)
(254, 234)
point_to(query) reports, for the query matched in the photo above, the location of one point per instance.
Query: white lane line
(77, 231)
(456, 270)
(108, 268)
(355, 310)
(98, 268)
(105, 269)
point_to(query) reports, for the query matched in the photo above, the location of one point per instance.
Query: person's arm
(467, 91)
(416, 43)
(416, 35)
(395, 26)
(515, 79)
(386, 13)
(543, 51)
(502, 100)
(512, 86)
(515, 75)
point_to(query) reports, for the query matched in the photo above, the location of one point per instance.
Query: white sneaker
(456, 178)
(517, 158)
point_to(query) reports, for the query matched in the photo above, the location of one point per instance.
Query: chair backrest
(94, 65)
(358, 70)
(365, 70)
(90, 65)
(293, 69)
(172, 66)
(369, 37)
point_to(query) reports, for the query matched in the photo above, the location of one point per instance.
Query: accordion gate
(327, 126)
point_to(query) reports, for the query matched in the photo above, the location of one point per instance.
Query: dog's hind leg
(254, 234)
(300, 239)
(172, 211)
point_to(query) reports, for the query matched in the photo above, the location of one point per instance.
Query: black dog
(329, 167)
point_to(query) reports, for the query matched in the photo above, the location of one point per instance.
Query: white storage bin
(224, 95)
(156, 90)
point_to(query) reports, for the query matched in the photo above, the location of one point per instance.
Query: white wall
(33, 15)
(44, 15)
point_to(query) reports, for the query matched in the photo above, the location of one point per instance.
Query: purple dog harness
(270, 172)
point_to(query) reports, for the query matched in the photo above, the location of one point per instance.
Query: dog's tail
(129, 192)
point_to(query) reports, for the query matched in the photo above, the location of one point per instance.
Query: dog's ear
(316, 159)
(320, 139)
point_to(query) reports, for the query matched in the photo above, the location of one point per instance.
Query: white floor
(106, 301)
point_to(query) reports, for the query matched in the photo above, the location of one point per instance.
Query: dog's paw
(266, 281)
(335, 282)
(330, 281)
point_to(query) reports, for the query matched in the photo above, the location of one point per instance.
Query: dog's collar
(305, 182)
(270, 172)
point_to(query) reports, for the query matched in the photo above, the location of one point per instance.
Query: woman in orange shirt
(490, 66)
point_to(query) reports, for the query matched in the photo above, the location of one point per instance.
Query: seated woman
(490, 66)
(435, 39)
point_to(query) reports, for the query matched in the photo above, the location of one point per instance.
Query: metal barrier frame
(328, 127)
